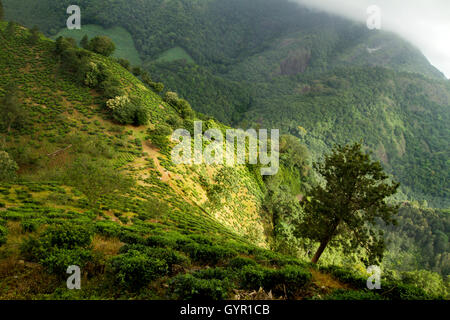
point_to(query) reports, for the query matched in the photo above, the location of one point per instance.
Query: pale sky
(424, 23)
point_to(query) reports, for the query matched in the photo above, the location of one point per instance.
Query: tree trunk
(320, 250)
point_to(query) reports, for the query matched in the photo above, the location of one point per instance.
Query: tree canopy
(345, 207)
(102, 45)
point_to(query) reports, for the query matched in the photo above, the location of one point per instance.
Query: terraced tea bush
(68, 236)
(58, 260)
(290, 279)
(212, 254)
(239, 262)
(215, 273)
(28, 226)
(170, 256)
(134, 269)
(32, 249)
(3, 235)
(401, 291)
(188, 287)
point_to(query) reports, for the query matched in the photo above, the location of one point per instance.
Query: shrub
(141, 116)
(124, 63)
(162, 130)
(32, 249)
(136, 71)
(102, 45)
(58, 260)
(28, 226)
(207, 253)
(118, 102)
(107, 228)
(174, 121)
(3, 235)
(135, 269)
(291, 278)
(160, 241)
(294, 278)
(171, 97)
(239, 262)
(68, 236)
(168, 255)
(126, 112)
(182, 106)
(431, 282)
(188, 287)
(400, 291)
(254, 277)
(201, 239)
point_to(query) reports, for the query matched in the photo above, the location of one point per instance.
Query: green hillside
(242, 61)
(101, 195)
(87, 177)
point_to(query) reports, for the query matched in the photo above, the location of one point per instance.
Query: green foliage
(58, 260)
(124, 63)
(135, 269)
(208, 254)
(28, 226)
(188, 287)
(419, 240)
(239, 262)
(3, 235)
(67, 236)
(353, 196)
(182, 106)
(428, 281)
(400, 291)
(131, 114)
(59, 247)
(102, 45)
(292, 278)
(95, 179)
(8, 167)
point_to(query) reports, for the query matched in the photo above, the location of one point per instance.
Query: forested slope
(244, 61)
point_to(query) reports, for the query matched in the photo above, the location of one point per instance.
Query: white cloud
(424, 23)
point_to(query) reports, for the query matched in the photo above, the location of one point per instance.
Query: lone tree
(344, 209)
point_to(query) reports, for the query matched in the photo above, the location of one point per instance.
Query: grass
(125, 47)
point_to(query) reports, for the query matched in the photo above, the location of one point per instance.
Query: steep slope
(242, 61)
(151, 237)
